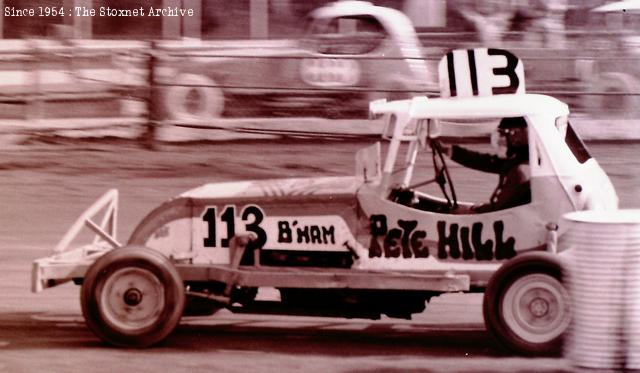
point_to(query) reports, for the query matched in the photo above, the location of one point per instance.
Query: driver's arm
(476, 160)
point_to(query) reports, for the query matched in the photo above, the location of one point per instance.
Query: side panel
(401, 237)
(201, 229)
(167, 229)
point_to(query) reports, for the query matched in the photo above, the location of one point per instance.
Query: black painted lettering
(328, 235)
(303, 234)
(210, 217)
(378, 228)
(378, 225)
(484, 250)
(467, 252)
(452, 75)
(284, 232)
(316, 235)
(407, 226)
(375, 249)
(391, 247)
(451, 240)
(228, 217)
(509, 71)
(472, 71)
(504, 249)
(254, 226)
(420, 250)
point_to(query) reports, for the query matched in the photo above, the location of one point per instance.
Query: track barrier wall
(155, 85)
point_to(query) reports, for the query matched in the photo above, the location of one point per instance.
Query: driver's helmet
(513, 132)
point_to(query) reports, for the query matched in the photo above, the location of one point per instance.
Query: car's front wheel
(527, 307)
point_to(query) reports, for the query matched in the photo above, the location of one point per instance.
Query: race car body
(449, 226)
(292, 215)
(298, 218)
(376, 243)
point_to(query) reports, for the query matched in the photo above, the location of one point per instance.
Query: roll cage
(421, 123)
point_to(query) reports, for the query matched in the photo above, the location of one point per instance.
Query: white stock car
(352, 52)
(355, 246)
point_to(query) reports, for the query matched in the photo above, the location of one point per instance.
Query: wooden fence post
(153, 96)
(35, 95)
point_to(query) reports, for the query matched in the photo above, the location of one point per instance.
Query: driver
(511, 163)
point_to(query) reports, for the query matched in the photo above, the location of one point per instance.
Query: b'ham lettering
(454, 241)
(292, 232)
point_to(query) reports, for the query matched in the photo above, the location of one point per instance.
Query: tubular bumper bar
(67, 264)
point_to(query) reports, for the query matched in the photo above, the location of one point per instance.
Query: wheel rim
(132, 299)
(536, 308)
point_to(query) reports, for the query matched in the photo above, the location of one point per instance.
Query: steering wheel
(442, 177)
(442, 174)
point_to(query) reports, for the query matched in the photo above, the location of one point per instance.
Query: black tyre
(526, 306)
(132, 297)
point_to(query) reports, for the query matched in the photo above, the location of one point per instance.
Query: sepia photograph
(320, 186)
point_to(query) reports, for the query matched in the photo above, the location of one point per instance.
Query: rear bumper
(64, 267)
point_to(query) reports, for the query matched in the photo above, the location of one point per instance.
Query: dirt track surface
(46, 185)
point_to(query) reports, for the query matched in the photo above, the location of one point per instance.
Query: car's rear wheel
(527, 307)
(132, 297)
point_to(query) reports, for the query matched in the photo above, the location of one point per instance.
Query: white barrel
(604, 283)
(633, 314)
